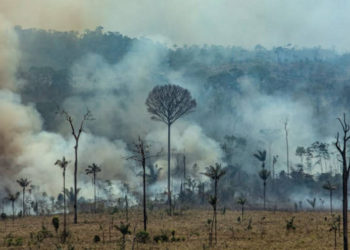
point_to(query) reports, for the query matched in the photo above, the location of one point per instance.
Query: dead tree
(63, 164)
(140, 153)
(93, 170)
(341, 147)
(168, 103)
(76, 134)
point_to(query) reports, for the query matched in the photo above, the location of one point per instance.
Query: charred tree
(140, 154)
(342, 149)
(76, 135)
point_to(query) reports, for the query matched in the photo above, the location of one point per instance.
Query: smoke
(26, 150)
(116, 93)
(116, 98)
(245, 23)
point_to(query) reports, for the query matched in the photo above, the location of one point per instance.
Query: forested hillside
(244, 98)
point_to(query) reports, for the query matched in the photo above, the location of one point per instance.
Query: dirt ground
(267, 230)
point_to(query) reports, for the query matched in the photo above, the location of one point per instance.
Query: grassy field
(268, 231)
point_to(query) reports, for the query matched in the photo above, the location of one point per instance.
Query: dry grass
(268, 231)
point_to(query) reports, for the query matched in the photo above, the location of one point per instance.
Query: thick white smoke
(116, 95)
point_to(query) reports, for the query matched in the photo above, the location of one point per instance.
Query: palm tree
(23, 182)
(63, 164)
(215, 173)
(261, 156)
(93, 170)
(12, 198)
(330, 187)
(124, 230)
(241, 201)
(70, 194)
(263, 174)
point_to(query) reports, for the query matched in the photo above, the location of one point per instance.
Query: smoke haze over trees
(244, 95)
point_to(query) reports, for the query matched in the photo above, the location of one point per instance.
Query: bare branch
(168, 103)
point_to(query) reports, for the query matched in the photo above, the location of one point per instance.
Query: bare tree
(63, 164)
(140, 153)
(168, 103)
(215, 173)
(342, 151)
(76, 134)
(93, 170)
(23, 182)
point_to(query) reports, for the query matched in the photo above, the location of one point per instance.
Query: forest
(302, 78)
(133, 123)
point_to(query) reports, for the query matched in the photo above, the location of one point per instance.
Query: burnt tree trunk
(95, 192)
(342, 150)
(216, 201)
(23, 204)
(64, 207)
(75, 182)
(264, 195)
(144, 196)
(330, 197)
(169, 190)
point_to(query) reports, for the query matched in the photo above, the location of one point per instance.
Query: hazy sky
(227, 22)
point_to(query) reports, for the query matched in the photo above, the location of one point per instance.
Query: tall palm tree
(23, 182)
(261, 156)
(263, 173)
(12, 198)
(330, 187)
(241, 201)
(93, 170)
(70, 195)
(215, 173)
(63, 164)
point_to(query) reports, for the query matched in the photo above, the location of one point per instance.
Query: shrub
(97, 239)
(173, 238)
(290, 224)
(3, 216)
(250, 227)
(56, 223)
(142, 237)
(163, 237)
(11, 240)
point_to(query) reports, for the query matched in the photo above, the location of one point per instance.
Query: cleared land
(268, 231)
